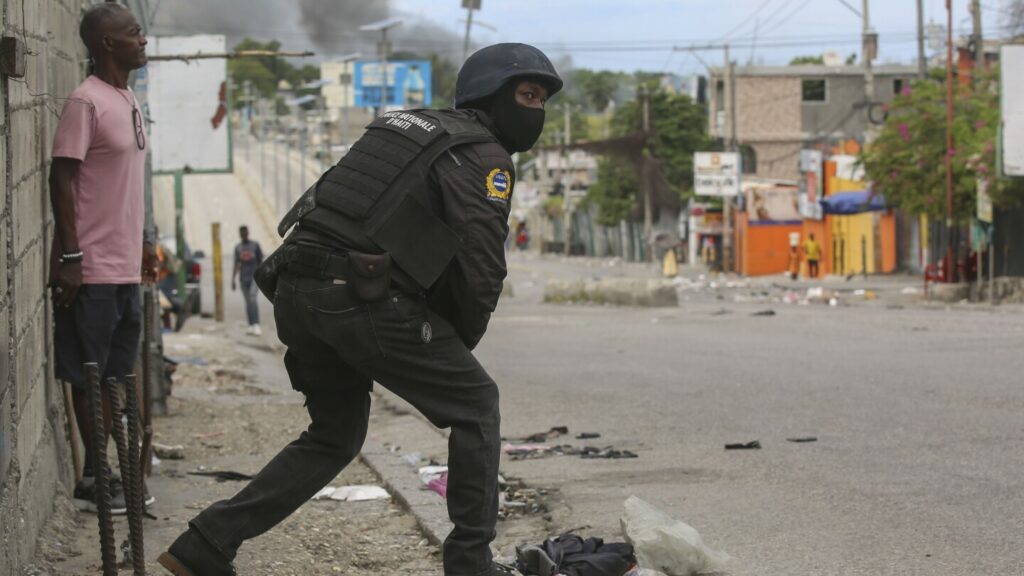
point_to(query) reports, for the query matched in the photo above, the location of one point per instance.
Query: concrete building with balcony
(781, 110)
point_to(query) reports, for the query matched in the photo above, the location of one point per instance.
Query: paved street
(917, 466)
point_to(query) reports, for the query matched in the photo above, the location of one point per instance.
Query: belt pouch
(267, 272)
(369, 276)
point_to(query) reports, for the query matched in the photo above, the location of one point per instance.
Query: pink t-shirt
(98, 128)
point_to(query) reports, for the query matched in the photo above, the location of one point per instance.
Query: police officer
(394, 262)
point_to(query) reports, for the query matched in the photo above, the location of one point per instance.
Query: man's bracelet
(72, 257)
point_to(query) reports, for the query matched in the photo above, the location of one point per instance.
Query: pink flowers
(906, 91)
(904, 132)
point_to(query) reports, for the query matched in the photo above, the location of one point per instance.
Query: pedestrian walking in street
(812, 251)
(248, 256)
(99, 256)
(391, 272)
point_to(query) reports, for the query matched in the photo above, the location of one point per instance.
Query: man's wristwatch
(71, 257)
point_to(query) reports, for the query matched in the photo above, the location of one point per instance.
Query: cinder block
(23, 132)
(28, 212)
(31, 419)
(28, 362)
(6, 430)
(28, 287)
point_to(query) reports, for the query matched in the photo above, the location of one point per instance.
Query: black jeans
(336, 346)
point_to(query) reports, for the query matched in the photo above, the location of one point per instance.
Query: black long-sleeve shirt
(472, 187)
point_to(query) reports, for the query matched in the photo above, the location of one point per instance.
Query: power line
(746, 21)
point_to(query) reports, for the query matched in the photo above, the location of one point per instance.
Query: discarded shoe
(192, 555)
(85, 496)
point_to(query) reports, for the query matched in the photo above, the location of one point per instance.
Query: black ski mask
(518, 126)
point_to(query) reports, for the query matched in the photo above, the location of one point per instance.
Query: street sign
(1012, 97)
(471, 4)
(188, 106)
(716, 173)
(984, 202)
(409, 84)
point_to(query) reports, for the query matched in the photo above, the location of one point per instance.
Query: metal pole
(567, 201)
(869, 73)
(979, 43)
(950, 272)
(469, 25)
(218, 273)
(288, 170)
(733, 147)
(179, 231)
(277, 180)
(991, 264)
(384, 71)
(922, 60)
(645, 181)
(263, 158)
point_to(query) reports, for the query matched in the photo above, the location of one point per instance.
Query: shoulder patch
(499, 185)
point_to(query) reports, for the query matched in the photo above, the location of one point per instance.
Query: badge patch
(426, 333)
(499, 185)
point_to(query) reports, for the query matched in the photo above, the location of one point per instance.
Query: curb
(430, 511)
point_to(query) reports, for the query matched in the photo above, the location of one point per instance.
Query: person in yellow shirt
(812, 251)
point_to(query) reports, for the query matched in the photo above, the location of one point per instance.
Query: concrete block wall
(34, 454)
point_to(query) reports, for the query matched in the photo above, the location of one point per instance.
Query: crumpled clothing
(571, 555)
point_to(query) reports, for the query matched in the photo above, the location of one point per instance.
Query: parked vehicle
(193, 275)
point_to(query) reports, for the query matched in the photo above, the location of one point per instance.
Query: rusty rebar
(101, 472)
(117, 430)
(136, 498)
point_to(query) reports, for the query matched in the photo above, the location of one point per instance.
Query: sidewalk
(232, 409)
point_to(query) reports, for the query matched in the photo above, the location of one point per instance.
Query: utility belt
(368, 276)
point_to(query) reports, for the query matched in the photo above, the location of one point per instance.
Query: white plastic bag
(665, 544)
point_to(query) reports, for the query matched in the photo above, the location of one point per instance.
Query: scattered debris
(358, 493)
(530, 451)
(176, 452)
(587, 435)
(554, 432)
(208, 435)
(518, 499)
(721, 312)
(663, 543)
(764, 313)
(222, 475)
(428, 473)
(754, 445)
(439, 485)
(572, 554)
(802, 440)
(413, 459)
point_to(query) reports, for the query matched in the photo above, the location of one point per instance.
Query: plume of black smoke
(328, 27)
(333, 25)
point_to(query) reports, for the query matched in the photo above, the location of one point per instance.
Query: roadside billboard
(188, 105)
(409, 84)
(771, 204)
(1012, 97)
(716, 173)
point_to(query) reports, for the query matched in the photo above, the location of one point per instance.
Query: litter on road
(176, 452)
(530, 451)
(222, 475)
(554, 432)
(803, 440)
(587, 435)
(571, 554)
(357, 493)
(665, 544)
(754, 445)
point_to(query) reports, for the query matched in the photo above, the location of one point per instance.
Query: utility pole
(949, 142)
(922, 60)
(470, 6)
(566, 199)
(645, 181)
(733, 147)
(868, 54)
(384, 49)
(976, 37)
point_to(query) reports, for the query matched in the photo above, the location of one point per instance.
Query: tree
(679, 127)
(907, 161)
(599, 88)
(1014, 17)
(265, 72)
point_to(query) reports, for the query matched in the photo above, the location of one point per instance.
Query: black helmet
(489, 68)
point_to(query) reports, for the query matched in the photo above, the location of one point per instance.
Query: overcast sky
(649, 27)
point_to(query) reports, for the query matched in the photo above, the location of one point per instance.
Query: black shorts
(103, 325)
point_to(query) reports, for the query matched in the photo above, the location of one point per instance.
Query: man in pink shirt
(96, 189)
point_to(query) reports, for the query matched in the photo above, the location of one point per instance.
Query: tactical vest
(376, 197)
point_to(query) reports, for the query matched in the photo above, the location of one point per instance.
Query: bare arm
(69, 275)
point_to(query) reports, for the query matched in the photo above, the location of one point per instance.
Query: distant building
(338, 90)
(781, 110)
